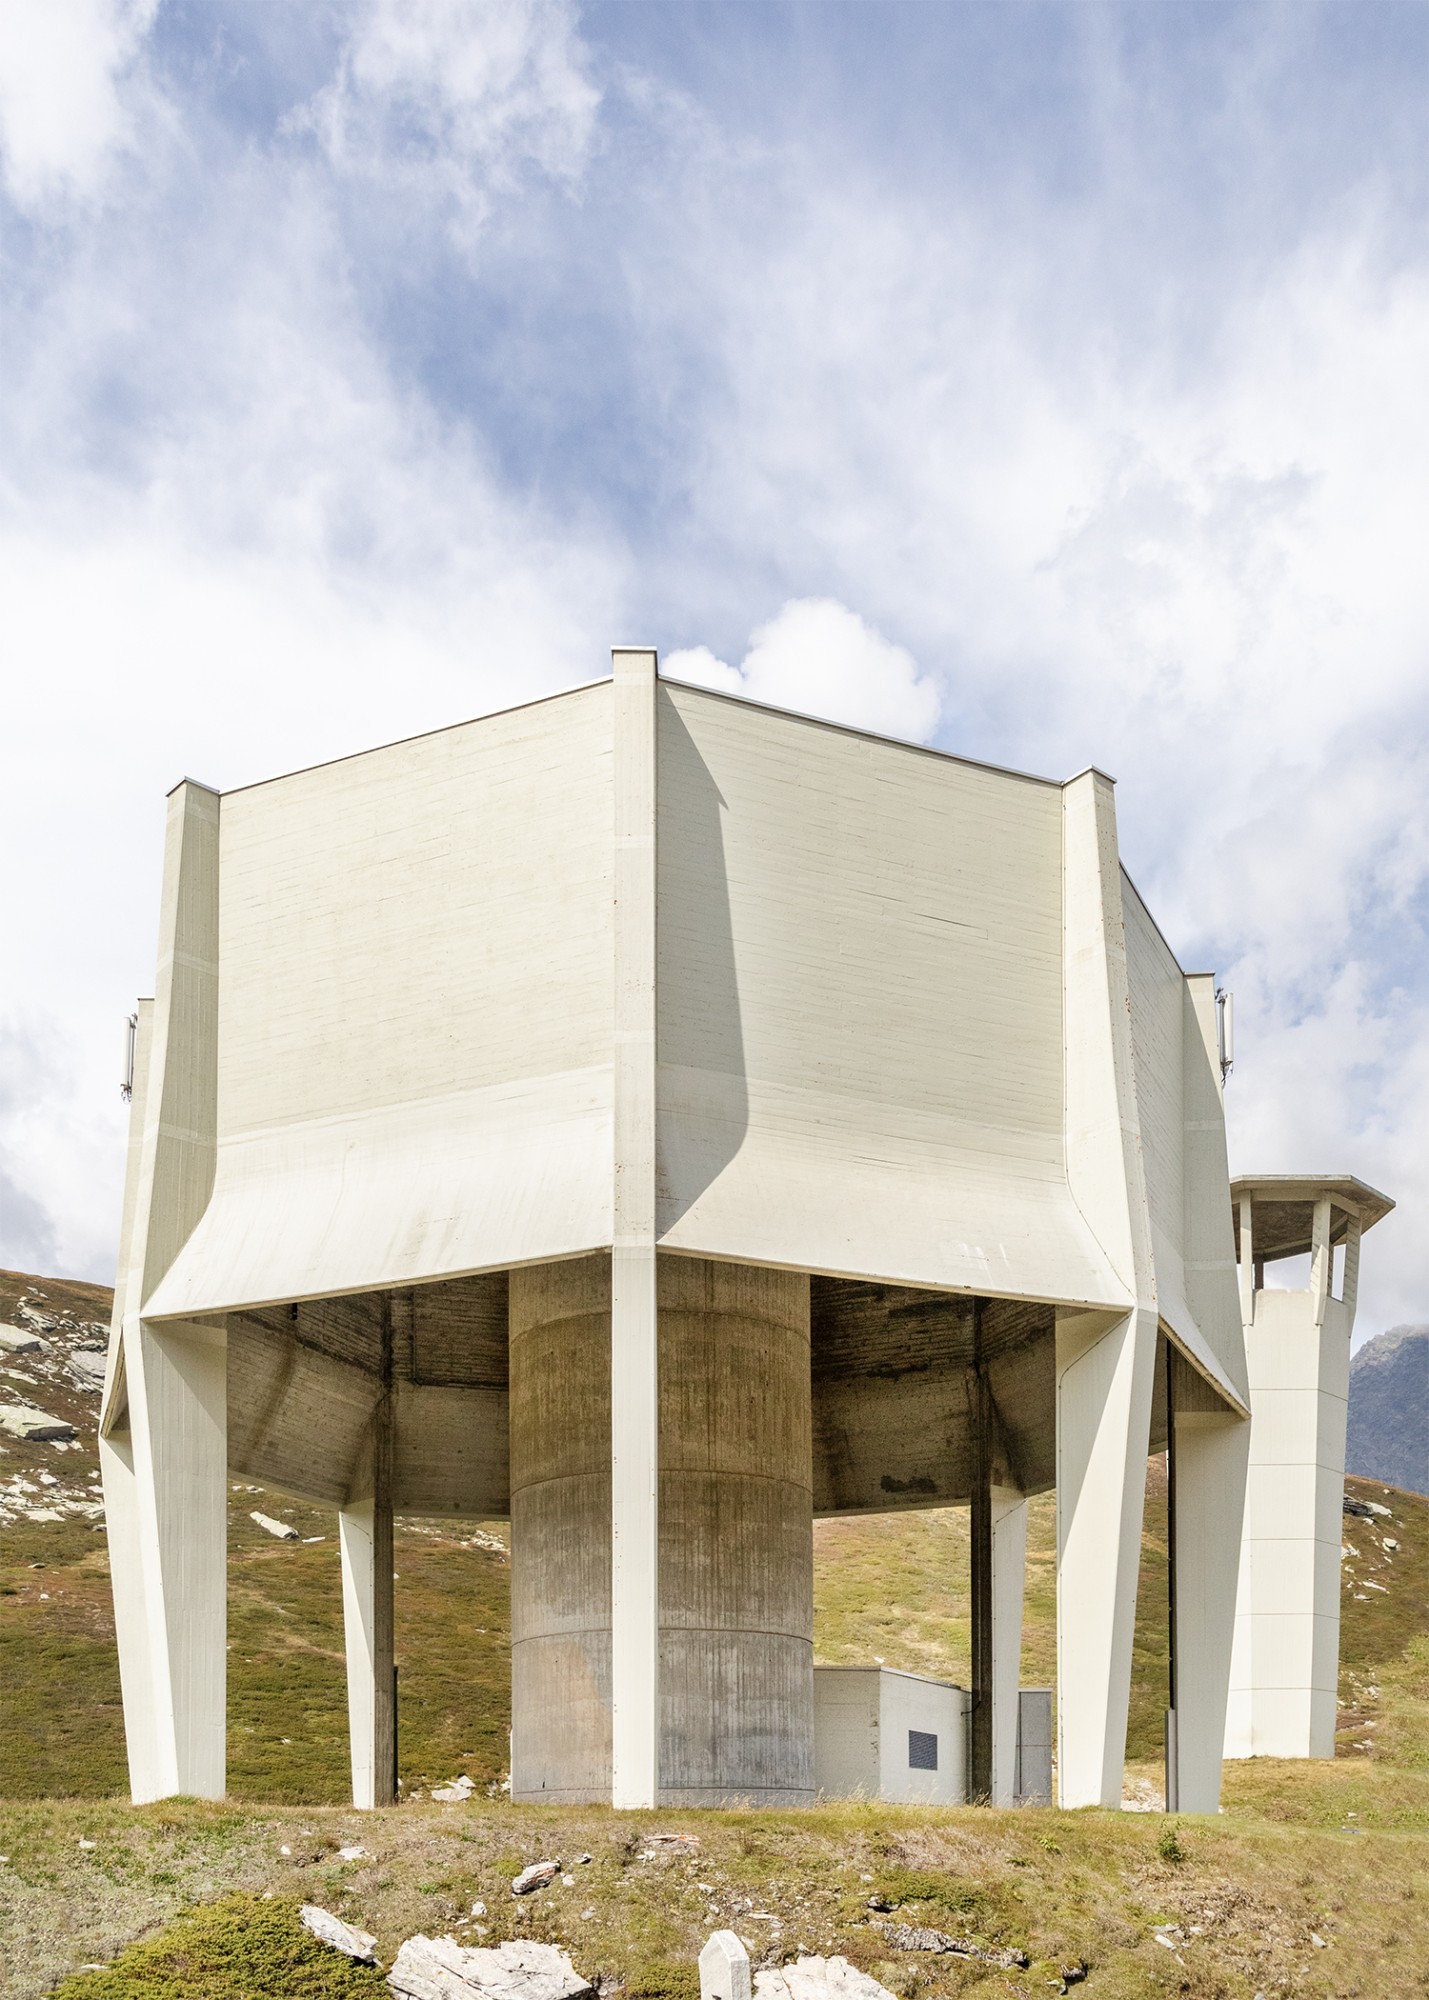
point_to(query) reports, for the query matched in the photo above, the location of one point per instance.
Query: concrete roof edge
(1374, 1204)
(868, 735)
(420, 735)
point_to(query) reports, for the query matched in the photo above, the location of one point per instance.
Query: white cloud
(819, 657)
(232, 541)
(1116, 502)
(453, 99)
(1198, 569)
(67, 92)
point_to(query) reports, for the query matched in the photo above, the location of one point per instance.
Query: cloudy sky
(1042, 380)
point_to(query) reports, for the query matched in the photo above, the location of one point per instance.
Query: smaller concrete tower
(1285, 1659)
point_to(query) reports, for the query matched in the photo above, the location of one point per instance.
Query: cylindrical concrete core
(736, 1533)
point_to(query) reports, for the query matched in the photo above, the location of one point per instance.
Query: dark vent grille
(922, 1750)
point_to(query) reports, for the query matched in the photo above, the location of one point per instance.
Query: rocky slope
(1389, 1409)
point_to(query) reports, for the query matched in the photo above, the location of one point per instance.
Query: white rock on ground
(454, 1790)
(87, 1366)
(23, 1420)
(441, 1969)
(818, 1979)
(19, 1340)
(280, 1529)
(534, 1877)
(345, 1938)
(724, 1968)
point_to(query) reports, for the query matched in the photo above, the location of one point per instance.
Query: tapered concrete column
(1009, 1577)
(178, 1403)
(365, 1538)
(735, 1549)
(1104, 1387)
(131, 1624)
(1210, 1446)
(164, 1409)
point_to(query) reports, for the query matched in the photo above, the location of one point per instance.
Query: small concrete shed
(883, 1734)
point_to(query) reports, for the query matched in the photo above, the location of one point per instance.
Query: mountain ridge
(1388, 1428)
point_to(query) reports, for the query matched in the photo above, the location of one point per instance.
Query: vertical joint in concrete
(634, 1344)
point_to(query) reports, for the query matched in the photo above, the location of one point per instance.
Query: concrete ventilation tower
(661, 1119)
(1285, 1666)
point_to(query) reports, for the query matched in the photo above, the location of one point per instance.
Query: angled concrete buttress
(663, 1120)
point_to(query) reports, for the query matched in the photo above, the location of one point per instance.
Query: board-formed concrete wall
(391, 1105)
(735, 1533)
(665, 1118)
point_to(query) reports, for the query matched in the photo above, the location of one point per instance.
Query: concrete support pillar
(998, 1562)
(737, 1540)
(735, 1551)
(365, 1539)
(1104, 1386)
(560, 1390)
(1210, 1446)
(634, 1357)
(980, 1436)
(1009, 1574)
(164, 1409)
(131, 1624)
(178, 1405)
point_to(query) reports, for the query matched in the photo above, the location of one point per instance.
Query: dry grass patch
(1239, 1910)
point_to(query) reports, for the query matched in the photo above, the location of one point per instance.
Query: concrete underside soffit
(306, 1383)
(893, 1374)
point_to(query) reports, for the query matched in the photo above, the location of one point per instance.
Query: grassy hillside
(1329, 1850)
(893, 1587)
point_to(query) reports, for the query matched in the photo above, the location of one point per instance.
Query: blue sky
(1043, 380)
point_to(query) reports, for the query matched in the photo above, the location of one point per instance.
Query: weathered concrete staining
(645, 971)
(735, 1533)
(560, 1530)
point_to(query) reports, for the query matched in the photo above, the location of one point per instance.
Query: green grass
(1247, 1891)
(241, 1946)
(192, 1893)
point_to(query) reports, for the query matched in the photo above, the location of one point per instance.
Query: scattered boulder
(38, 1321)
(535, 1877)
(19, 1340)
(455, 1790)
(919, 1937)
(23, 1420)
(87, 1365)
(278, 1529)
(441, 1969)
(818, 1979)
(342, 1937)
